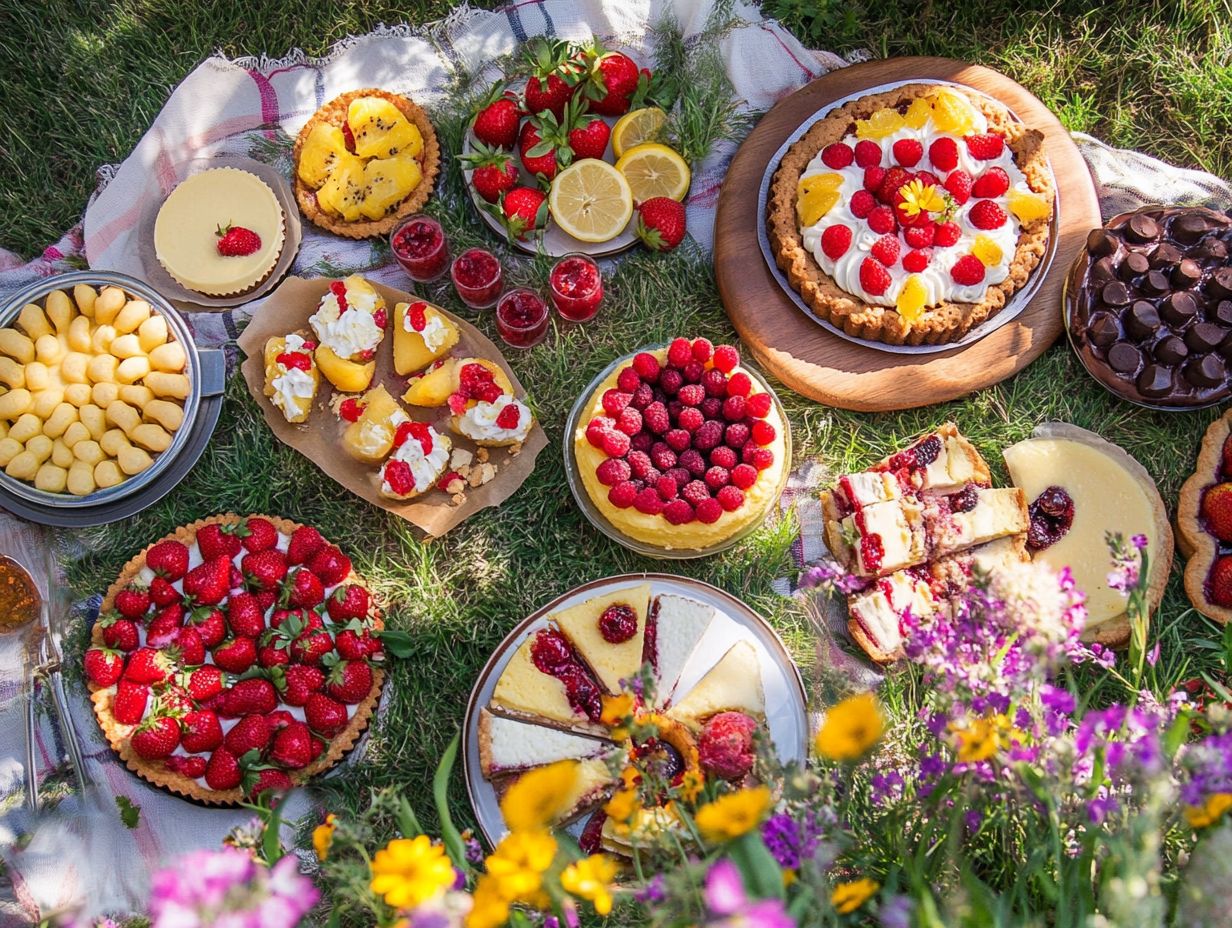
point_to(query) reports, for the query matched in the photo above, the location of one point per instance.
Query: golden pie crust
(118, 735)
(941, 324)
(335, 113)
(1199, 546)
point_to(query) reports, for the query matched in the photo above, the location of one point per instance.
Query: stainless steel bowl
(37, 293)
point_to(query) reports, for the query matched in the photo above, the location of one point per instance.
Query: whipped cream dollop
(425, 468)
(291, 387)
(348, 333)
(479, 422)
(434, 333)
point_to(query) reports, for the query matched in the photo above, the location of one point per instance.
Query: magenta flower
(726, 899)
(229, 889)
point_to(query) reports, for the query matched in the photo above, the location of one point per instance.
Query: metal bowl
(37, 293)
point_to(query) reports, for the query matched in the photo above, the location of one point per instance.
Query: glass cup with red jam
(420, 247)
(522, 318)
(577, 287)
(478, 278)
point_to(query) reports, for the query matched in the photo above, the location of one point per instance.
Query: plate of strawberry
(234, 656)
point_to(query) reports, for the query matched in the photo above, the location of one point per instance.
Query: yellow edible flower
(691, 785)
(983, 738)
(615, 710)
(623, 806)
(1209, 812)
(408, 872)
(489, 909)
(518, 864)
(323, 836)
(851, 728)
(733, 815)
(849, 896)
(591, 879)
(537, 798)
(919, 197)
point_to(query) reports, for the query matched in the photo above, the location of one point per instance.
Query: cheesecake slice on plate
(733, 684)
(608, 633)
(594, 784)
(562, 694)
(507, 746)
(676, 626)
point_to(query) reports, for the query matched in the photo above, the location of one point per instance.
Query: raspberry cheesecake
(233, 656)
(681, 448)
(507, 746)
(912, 216)
(1204, 521)
(609, 633)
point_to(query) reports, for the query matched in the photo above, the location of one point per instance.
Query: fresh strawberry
(133, 601)
(162, 592)
(246, 697)
(295, 620)
(103, 666)
(492, 171)
(201, 731)
(119, 633)
(222, 772)
(146, 665)
(279, 719)
(325, 715)
(271, 655)
(264, 570)
(1217, 511)
(165, 624)
(292, 746)
(268, 780)
(311, 646)
(349, 681)
(987, 214)
(305, 542)
(304, 589)
(237, 241)
(985, 147)
(203, 682)
(156, 737)
(1227, 457)
(210, 625)
(331, 565)
(187, 643)
(244, 615)
(661, 223)
(251, 733)
(261, 534)
(538, 142)
(299, 682)
(236, 655)
(191, 767)
(216, 540)
(611, 81)
(553, 76)
(349, 602)
(588, 134)
(523, 210)
(496, 119)
(130, 701)
(1218, 584)
(168, 559)
(207, 583)
(992, 183)
(174, 700)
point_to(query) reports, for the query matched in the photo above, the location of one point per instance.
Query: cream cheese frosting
(479, 422)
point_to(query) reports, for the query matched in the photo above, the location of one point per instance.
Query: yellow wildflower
(616, 709)
(849, 896)
(919, 197)
(734, 814)
(1210, 811)
(623, 805)
(518, 864)
(537, 798)
(590, 879)
(789, 877)
(410, 871)
(489, 909)
(982, 738)
(691, 785)
(323, 836)
(851, 728)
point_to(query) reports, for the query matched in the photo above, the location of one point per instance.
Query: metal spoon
(22, 606)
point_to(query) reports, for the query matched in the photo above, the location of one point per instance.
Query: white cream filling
(291, 387)
(350, 333)
(434, 333)
(479, 422)
(425, 468)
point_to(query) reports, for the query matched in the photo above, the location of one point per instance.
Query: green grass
(82, 81)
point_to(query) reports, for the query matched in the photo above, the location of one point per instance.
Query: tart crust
(1198, 545)
(335, 113)
(118, 734)
(948, 321)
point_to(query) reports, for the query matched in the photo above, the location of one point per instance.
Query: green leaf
(408, 822)
(398, 643)
(130, 812)
(760, 870)
(271, 833)
(440, 794)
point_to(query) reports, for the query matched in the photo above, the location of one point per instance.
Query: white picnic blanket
(254, 107)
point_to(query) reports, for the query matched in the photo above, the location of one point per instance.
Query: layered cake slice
(507, 746)
(545, 682)
(733, 684)
(676, 626)
(608, 632)
(942, 461)
(594, 784)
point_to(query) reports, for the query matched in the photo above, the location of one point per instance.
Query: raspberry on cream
(503, 419)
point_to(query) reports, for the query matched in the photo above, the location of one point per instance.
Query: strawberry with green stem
(496, 118)
(492, 171)
(553, 76)
(522, 211)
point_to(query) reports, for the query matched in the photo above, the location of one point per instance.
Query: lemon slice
(636, 127)
(591, 201)
(654, 170)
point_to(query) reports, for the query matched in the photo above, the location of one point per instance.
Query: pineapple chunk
(370, 438)
(412, 351)
(387, 182)
(380, 129)
(344, 191)
(322, 151)
(1028, 207)
(347, 376)
(910, 303)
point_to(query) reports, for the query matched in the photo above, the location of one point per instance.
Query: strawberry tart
(680, 448)
(1204, 521)
(911, 216)
(234, 656)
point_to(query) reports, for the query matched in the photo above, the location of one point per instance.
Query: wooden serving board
(824, 367)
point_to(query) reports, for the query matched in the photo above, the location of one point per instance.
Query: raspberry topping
(886, 250)
(875, 279)
(618, 623)
(987, 214)
(835, 241)
(946, 234)
(338, 289)
(881, 220)
(417, 315)
(417, 430)
(862, 203)
(992, 183)
(867, 153)
(967, 270)
(959, 185)
(838, 155)
(1052, 515)
(943, 153)
(908, 152)
(915, 261)
(399, 477)
(985, 147)
(296, 359)
(351, 409)
(509, 416)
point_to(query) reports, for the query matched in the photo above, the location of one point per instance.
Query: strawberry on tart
(234, 656)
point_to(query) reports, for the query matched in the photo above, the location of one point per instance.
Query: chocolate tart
(335, 113)
(118, 734)
(1200, 547)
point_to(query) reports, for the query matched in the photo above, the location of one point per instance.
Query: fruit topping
(726, 745)
(1217, 511)
(618, 622)
(1218, 584)
(1051, 515)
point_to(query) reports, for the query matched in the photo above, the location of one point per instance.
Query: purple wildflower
(792, 840)
(229, 887)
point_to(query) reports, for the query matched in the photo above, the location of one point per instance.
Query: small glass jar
(478, 277)
(522, 318)
(419, 245)
(577, 287)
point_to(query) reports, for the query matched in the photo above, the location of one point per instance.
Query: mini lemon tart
(350, 324)
(191, 221)
(733, 684)
(422, 333)
(420, 455)
(608, 632)
(291, 377)
(370, 437)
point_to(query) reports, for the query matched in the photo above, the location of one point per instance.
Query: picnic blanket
(254, 107)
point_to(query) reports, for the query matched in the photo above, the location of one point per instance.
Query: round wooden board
(832, 370)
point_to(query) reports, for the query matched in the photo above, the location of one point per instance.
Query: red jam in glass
(577, 287)
(522, 318)
(478, 277)
(420, 247)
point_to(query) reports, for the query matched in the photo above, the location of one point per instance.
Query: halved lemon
(654, 170)
(635, 127)
(591, 201)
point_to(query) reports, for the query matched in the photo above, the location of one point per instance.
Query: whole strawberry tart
(912, 216)
(236, 655)
(681, 448)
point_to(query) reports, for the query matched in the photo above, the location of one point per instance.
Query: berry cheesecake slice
(291, 376)
(507, 746)
(675, 628)
(732, 685)
(546, 682)
(233, 656)
(912, 216)
(608, 632)
(349, 324)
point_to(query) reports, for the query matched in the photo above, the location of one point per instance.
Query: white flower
(1032, 594)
